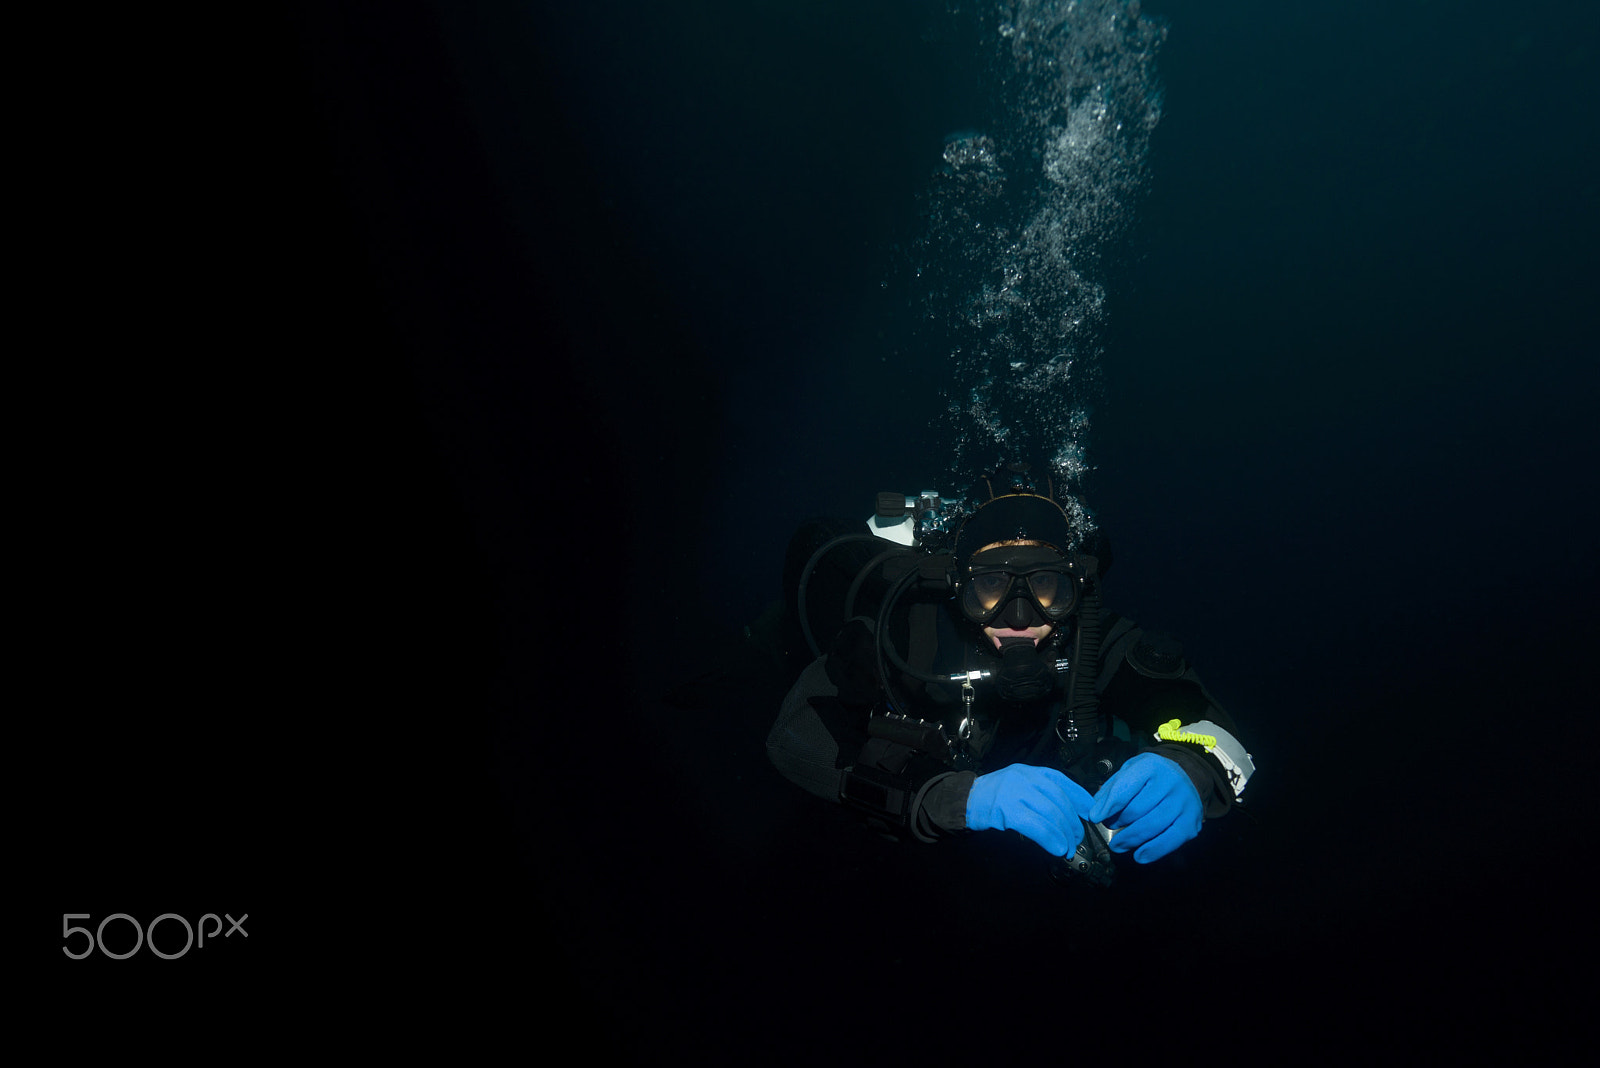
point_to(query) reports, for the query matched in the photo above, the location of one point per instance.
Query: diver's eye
(1045, 586)
(989, 588)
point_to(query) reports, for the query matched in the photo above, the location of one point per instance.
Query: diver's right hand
(1041, 803)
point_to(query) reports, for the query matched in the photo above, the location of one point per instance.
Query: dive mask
(998, 576)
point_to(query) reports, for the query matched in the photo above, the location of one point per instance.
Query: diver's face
(1038, 634)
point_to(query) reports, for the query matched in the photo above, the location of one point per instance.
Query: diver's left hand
(1152, 806)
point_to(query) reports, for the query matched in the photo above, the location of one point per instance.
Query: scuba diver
(970, 681)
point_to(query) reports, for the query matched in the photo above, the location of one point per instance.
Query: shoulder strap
(1079, 725)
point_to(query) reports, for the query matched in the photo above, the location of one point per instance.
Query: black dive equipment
(939, 549)
(1024, 675)
(1091, 862)
(997, 579)
(943, 548)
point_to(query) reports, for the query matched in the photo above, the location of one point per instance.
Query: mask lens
(986, 591)
(1055, 592)
(1045, 586)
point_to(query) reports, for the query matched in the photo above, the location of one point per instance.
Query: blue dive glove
(1152, 806)
(1041, 803)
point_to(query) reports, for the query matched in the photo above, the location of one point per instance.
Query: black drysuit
(833, 739)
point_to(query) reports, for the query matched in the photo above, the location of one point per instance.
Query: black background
(484, 363)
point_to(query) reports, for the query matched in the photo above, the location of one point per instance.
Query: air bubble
(1019, 218)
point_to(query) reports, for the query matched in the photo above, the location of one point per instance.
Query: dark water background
(581, 310)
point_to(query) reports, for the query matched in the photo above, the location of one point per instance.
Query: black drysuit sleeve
(1152, 684)
(820, 743)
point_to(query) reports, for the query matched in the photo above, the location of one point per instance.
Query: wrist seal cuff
(1227, 749)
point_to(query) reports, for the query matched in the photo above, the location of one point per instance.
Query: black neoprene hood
(1014, 517)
